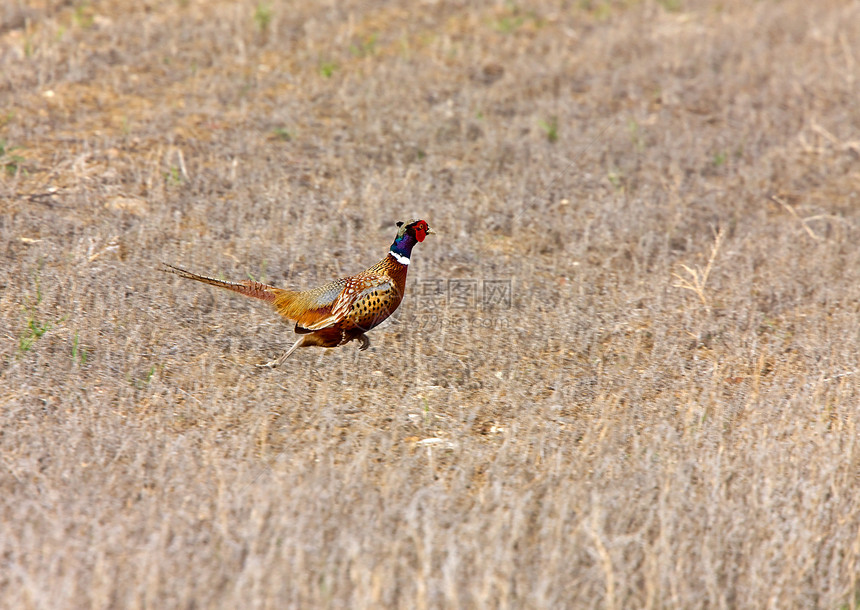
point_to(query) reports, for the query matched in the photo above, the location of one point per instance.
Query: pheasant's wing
(367, 300)
(354, 290)
(309, 308)
(327, 305)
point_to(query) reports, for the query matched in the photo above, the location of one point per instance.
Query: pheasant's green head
(418, 229)
(409, 234)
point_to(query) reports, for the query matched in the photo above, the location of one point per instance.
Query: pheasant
(340, 311)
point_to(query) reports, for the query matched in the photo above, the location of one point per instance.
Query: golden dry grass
(664, 416)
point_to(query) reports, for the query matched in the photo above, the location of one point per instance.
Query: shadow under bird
(340, 311)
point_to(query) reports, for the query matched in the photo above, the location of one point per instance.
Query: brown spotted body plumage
(340, 311)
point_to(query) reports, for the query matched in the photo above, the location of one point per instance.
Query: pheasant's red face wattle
(421, 229)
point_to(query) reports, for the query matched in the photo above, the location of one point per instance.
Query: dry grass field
(625, 373)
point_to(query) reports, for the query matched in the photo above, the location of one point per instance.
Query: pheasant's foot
(365, 342)
(280, 359)
(270, 364)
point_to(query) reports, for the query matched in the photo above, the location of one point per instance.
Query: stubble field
(625, 373)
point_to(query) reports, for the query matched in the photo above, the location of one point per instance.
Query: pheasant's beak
(431, 231)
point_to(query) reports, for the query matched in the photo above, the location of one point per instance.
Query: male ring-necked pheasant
(342, 310)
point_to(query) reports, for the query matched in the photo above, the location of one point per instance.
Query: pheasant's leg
(365, 342)
(280, 360)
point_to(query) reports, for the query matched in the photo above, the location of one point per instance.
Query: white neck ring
(403, 260)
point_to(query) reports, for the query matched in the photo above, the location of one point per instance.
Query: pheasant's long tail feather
(255, 290)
